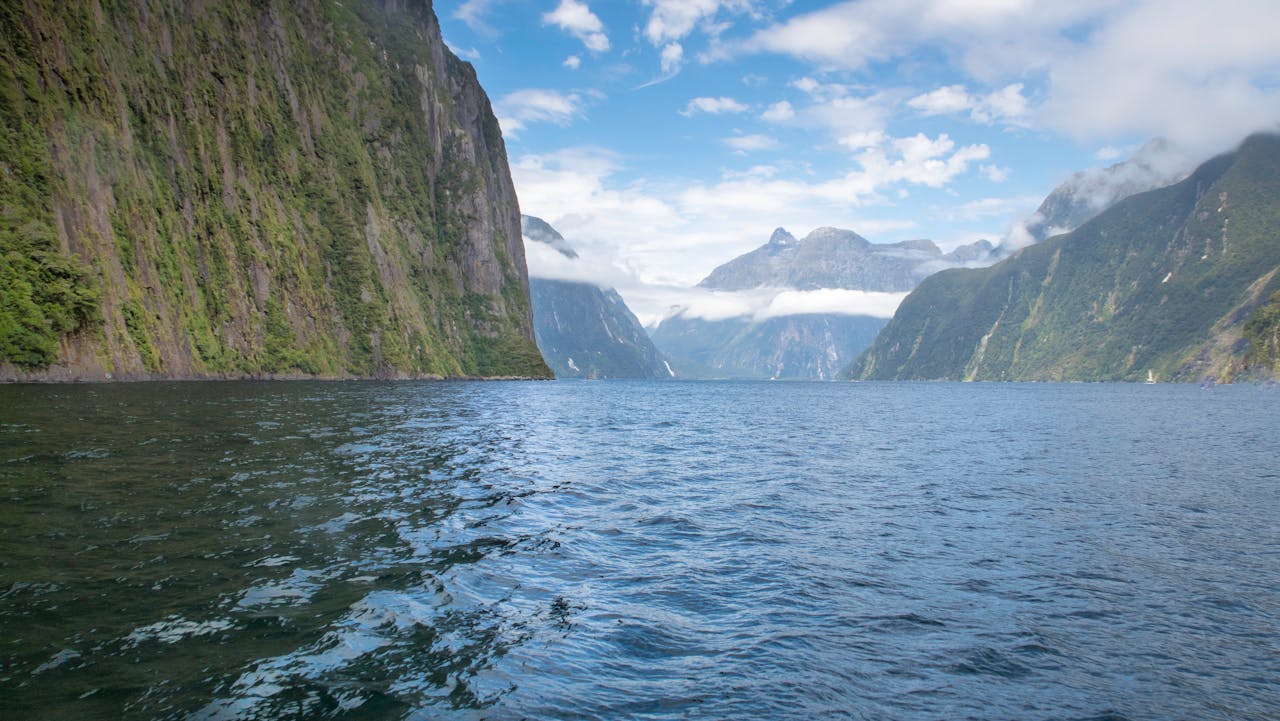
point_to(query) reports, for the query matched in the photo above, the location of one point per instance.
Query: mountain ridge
(809, 345)
(827, 258)
(1165, 281)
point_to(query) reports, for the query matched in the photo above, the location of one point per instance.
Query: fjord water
(614, 550)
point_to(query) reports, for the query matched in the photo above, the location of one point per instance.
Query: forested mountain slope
(252, 188)
(1178, 281)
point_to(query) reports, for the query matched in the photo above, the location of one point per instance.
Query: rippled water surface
(630, 550)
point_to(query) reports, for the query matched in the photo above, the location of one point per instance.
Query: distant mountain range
(834, 258)
(812, 346)
(1181, 282)
(585, 331)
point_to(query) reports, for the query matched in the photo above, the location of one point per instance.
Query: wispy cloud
(713, 106)
(1006, 105)
(575, 17)
(671, 21)
(750, 143)
(779, 112)
(672, 58)
(473, 13)
(519, 109)
(831, 301)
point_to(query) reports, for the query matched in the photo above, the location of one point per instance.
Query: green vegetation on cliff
(1262, 333)
(1163, 281)
(252, 187)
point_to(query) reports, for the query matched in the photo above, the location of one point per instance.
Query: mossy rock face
(1174, 281)
(252, 188)
(1262, 333)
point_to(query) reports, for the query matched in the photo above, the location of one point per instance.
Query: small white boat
(1151, 378)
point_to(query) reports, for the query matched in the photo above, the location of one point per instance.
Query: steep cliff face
(252, 187)
(585, 331)
(1180, 282)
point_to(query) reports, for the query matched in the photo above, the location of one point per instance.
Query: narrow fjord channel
(581, 550)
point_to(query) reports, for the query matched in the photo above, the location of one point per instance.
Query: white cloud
(573, 62)
(675, 19)
(779, 112)
(919, 160)
(1200, 74)
(1156, 164)
(576, 18)
(750, 143)
(713, 106)
(862, 139)
(518, 109)
(761, 304)
(989, 37)
(841, 111)
(595, 264)
(471, 54)
(672, 58)
(943, 101)
(672, 21)
(991, 208)
(1007, 104)
(472, 13)
(806, 85)
(1108, 153)
(832, 301)
(1203, 74)
(995, 173)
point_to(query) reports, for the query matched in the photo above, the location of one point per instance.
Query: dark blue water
(639, 551)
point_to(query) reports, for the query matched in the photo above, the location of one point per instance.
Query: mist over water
(613, 550)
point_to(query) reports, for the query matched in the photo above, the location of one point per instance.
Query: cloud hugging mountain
(1178, 283)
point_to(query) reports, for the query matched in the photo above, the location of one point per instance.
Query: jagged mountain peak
(540, 231)
(1087, 193)
(826, 258)
(828, 234)
(782, 237)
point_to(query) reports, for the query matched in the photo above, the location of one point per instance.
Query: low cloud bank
(764, 303)
(652, 302)
(832, 301)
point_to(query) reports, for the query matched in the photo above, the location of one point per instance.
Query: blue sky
(664, 137)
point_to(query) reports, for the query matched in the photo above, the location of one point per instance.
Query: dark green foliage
(1158, 282)
(43, 293)
(1262, 331)
(43, 296)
